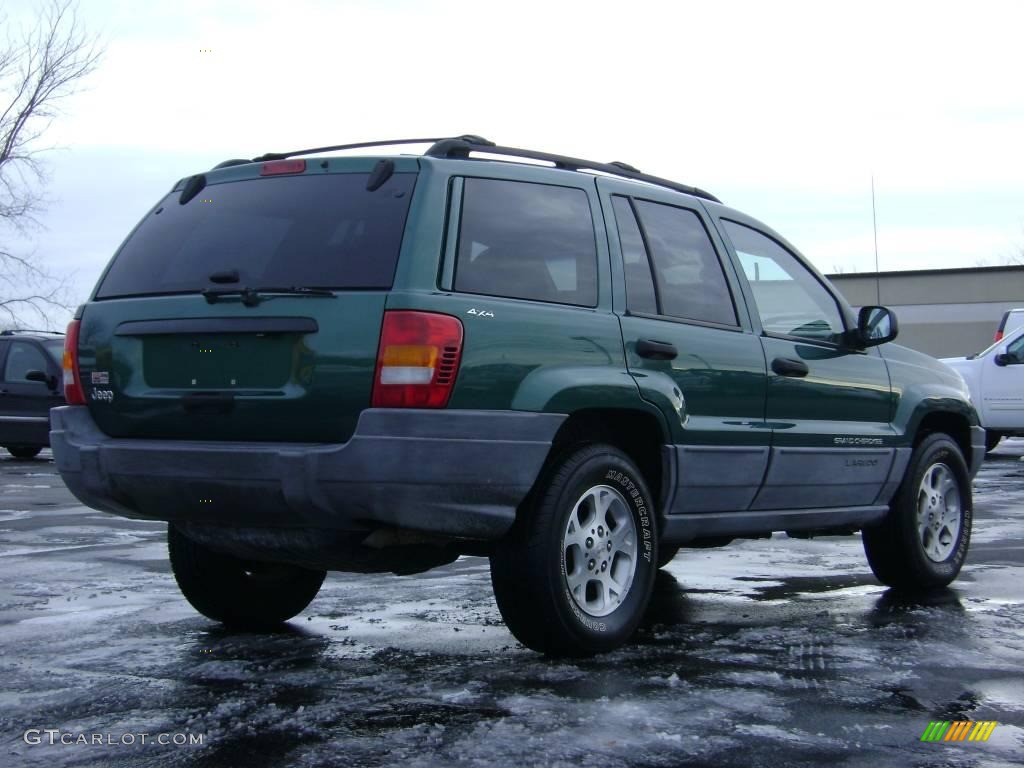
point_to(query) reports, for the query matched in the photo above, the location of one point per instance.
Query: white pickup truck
(996, 380)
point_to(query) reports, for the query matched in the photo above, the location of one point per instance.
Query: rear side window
(690, 280)
(527, 241)
(322, 231)
(640, 295)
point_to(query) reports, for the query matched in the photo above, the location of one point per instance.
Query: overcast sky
(784, 110)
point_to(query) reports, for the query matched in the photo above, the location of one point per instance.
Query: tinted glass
(56, 350)
(21, 359)
(527, 241)
(639, 285)
(691, 282)
(1016, 349)
(790, 300)
(316, 231)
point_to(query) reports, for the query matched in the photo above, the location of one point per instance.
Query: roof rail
(13, 331)
(361, 145)
(461, 147)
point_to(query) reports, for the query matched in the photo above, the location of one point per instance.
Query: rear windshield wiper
(252, 296)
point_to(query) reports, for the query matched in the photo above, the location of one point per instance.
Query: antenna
(874, 226)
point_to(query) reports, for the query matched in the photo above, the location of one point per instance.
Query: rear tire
(236, 592)
(992, 439)
(923, 541)
(575, 574)
(24, 451)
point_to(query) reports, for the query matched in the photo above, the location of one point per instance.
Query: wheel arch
(953, 423)
(639, 433)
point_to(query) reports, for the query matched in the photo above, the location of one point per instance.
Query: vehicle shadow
(914, 609)
(670, 603)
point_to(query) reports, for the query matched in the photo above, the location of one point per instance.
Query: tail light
(417, 360)
(72, 380)
(999, 336)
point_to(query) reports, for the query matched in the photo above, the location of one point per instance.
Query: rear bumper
(459, 473)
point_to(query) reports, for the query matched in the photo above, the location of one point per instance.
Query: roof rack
(364, 144)
(461, 146)
(13, 331)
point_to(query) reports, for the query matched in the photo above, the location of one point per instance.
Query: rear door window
(691, 284)
(323, 231)
(640, 296)
(527, 241)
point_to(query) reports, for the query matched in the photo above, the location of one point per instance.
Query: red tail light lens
(999, 336)
(279, 167)
(72, 380)
(417, 360)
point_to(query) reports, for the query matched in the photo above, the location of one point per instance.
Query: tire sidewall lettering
(643, 516)
(624, 615)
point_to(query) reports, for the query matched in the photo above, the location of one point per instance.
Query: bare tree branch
(39, 70)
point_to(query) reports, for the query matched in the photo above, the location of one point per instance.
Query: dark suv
(31, 365)
(382, 363)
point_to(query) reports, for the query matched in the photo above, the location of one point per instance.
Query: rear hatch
(248, 306)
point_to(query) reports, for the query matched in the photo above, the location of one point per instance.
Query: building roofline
(923, 272)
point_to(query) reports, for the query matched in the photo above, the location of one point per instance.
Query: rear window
(313, 231)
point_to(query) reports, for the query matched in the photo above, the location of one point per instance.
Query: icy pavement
(765, 653)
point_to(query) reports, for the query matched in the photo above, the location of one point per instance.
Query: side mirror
(1004, 358)
(876, 325)
(42, 378)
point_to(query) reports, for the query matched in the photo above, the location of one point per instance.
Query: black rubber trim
(679, 529)
(977, 457)
(186, 325)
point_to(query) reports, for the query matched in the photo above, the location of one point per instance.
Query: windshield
(319, 231)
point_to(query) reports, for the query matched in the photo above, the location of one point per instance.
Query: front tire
(236, 592)
(923, 541)
(575, 574)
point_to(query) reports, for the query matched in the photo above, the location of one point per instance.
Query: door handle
(785, 366)
(656, 350)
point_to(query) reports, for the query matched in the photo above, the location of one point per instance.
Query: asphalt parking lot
(766, 653)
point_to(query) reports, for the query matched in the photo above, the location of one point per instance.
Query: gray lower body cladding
(977, 457)
(455, 473)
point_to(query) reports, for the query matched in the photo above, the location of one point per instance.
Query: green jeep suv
(306, 362)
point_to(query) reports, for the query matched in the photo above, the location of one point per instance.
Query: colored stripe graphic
(983, 730)
(959, 730)
(935, 730)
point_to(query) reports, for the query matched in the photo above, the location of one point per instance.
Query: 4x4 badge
(480, 312)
